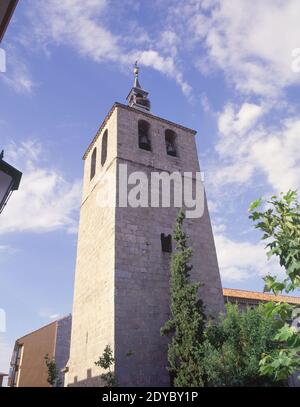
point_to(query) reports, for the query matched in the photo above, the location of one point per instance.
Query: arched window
(104, 148)
(93, 163)
(144, 138)
(170, 137)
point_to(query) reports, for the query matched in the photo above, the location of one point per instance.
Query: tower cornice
(132, 109)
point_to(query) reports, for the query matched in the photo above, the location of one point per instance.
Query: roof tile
(254, 295)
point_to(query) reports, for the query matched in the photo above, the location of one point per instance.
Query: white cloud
(169, 42)
(233, 123)
(240, 261)
(236, 173)
(45, 200)
(240, 121)
(17, 74)
(5, 249)
(247, 148)
(251, 41)
(278, 156)
(48, 314)
(205, 103)
(164, 65)
(250, 151)
(81, 26)
(74, 23)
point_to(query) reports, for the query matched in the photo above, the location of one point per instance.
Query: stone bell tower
(121, 295)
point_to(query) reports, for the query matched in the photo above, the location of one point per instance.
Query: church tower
(121, 294)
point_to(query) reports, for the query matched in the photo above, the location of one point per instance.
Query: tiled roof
(254, 295)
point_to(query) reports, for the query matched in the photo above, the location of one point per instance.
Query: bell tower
(121, 294)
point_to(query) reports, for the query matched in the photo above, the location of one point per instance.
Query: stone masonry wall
(62, 345)
(93, 307)
(121, 295)
(142, 269)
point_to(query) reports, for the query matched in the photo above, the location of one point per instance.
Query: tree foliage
(280, 224)
(53, 374)
(106, 361)
(233, 347)
(187, 320)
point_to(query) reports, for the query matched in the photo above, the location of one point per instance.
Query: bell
(171, 149)
(144, 139)
(144, 142)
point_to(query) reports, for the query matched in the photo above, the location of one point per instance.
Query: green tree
(280, 223)
(53, 374)
(187, 320)
(106, 361)
(233, 347)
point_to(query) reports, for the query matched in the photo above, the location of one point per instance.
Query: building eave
(7, 9)
(19, 340)
(137, 90)
(257, 296)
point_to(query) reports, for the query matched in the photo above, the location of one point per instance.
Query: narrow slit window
(166, 243)
(93, 163)
(104, 148)
(144, 138)
(170, 137)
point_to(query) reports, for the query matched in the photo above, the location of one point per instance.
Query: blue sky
(223, 68)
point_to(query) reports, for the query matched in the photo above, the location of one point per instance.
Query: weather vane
(136, 69)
